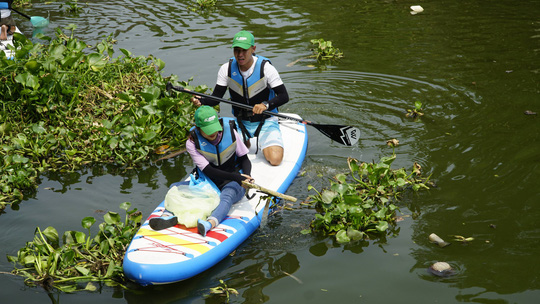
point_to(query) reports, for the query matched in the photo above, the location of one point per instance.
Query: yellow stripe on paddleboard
(173, 240)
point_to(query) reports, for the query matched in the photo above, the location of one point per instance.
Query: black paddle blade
(345, 135)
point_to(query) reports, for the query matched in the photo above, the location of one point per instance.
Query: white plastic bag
(191, 202)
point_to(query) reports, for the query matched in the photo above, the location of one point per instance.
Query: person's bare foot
(3, 32)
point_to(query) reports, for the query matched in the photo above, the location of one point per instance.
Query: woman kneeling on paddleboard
(220, 154)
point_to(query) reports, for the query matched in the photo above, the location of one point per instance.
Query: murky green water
(473, 64)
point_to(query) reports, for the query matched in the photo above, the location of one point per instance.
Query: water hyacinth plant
(80, 258)
(416, 112)
(324, 50)
(65, 105)
(362, 202)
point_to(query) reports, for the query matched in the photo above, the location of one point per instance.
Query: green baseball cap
(243, 39)
(207, 119)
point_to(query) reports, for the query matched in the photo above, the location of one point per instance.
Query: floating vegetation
(222, 291)
(82, 258)
(416, 112)
(203, 7)
(324, 50)
(67, 105)
(72, 7)
(206, 3)
(362, 201)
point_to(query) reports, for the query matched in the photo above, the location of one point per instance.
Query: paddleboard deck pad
(178, 253)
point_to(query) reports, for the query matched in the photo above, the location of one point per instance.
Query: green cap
(243, 39)
(207, 119)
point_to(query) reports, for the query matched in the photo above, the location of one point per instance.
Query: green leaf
(387, 161)
(149, 136)
(20, 159)
(305, 231)
(354, 234)
(352, 199)
(382, 226)
(340, 188)
(96, 62)
(83, 270)
(38, 128)
(87, 222)
(328, 196)
(342, 178)
(160, 64)
(90, 287)
(28, 80)
(150, 93)
(80, 237)
(29, 260)
(381, 214)
(112, 218)
(52, 236)
(113, 142)
(401, 182)
(342, 237)
(125, 206)
(126, 52)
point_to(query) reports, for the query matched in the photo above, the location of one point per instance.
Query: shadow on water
(249, 272)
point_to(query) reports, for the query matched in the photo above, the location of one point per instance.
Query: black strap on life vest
(246, 136)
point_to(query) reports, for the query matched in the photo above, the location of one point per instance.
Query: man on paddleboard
(7, 24)
(253, 80)
(220, 154)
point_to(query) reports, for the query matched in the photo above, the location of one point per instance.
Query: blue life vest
(5, 4)
(223, 155)
(250, 91)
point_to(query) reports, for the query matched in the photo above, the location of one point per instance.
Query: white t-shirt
(272, 75)
(4, 13)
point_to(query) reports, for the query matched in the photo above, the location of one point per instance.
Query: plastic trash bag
(191, 202)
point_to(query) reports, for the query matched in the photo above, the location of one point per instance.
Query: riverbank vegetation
(66, 104)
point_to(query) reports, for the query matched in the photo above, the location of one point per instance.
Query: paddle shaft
(345, 135)
(268, 191)
(22, 14)
(237, 104)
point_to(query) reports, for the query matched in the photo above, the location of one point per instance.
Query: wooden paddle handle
(268, 191)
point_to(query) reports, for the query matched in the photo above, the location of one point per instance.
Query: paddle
(35, 20)
(268, 191)
(264, 217)
(345, 135)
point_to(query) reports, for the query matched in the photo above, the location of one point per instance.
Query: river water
(475, 67)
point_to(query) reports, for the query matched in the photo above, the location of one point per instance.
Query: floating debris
(293, 277)
(415, 9)
(530, 112)
(162, 149)
(463, 239)
(437, 240)
(441, 269)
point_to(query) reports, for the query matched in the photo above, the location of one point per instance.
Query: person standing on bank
(253, 80)
(7, 24)
(219, 153)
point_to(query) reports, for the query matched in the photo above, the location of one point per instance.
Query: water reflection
(248, 271)
(148, 175)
